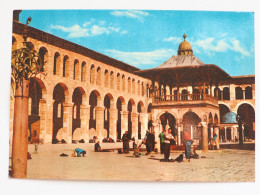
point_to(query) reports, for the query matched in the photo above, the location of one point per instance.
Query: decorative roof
(181, 60)
(229, 118)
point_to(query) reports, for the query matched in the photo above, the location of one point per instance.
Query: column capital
(43, 101)
(124, 112)
(67, 104)
(99, 108)
(203, 124)
(84, 106)
(134, 114)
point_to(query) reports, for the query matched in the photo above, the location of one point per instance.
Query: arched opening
(93, 103)
(129, 85)
(35, 94)
(169, 121)
(247, 115)
(226, 93)
(118, 81)
(43, 53)
(138, 88)
(123, 83)
(215, 119)
(76, 70)
(119, 104)
(107, 105)
(59, 98)
(130, 109)
(112, 80)
(142, 88)
(92, 74)
(184, 94)
(196, 94)
(210, 125)
(248, 93)
(190, 124)
(83, 71)
(133, 86)
(217, 93)
(140, 109)
(99, 76)
(223, 109)
(239, 93)
(147, 91)
(65, 72)
(56, 65)
(77, 101)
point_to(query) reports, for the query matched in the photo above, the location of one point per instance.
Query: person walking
(162, 137)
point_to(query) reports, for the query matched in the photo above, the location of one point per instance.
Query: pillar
(134, 119)
(232, 133)
(67, 121)
(216, 130)
(179, 135)
(211, 132)
(191, 132)
(113, 123)
(99, 121)
(144, 123)
(157, 130)
(42, 113)
(225, 133)
(20, 130)
(124, 122)
(84, 117)
(49, 120)
(204, 136)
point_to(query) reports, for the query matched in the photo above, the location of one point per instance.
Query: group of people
(165, 141)
(149, 141)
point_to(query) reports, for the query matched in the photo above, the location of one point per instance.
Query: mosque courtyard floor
(226, 165)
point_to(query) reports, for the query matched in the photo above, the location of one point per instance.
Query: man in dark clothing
(99, 149)
(149, 142)
(125, 142)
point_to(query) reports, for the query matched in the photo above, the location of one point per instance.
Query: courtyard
(229, 164)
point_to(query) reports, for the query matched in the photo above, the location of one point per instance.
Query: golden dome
(185, 47)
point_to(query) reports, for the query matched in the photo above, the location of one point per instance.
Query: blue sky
(145, 38)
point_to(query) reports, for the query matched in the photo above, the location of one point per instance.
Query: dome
(185, 47)
(230, 117)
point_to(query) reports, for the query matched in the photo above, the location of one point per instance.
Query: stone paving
(226, 165)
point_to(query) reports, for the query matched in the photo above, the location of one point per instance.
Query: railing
(184, 97)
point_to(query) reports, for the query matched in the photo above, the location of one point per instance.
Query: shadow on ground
(247, 146)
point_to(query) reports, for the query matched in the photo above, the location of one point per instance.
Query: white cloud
(89, 28)
(211, 45)
(142, 58)
(131, 14)
(173, 39)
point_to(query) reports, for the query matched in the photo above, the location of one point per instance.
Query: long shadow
(247, 146)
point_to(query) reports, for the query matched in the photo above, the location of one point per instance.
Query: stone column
(49, 121)
(113, 123)
(191, 132)
(67, 121)
(99, 121)
(124, 122)
(144, 123)
(216, 130)
(42, 113)
(84, 117)
(179, 135)
(204, 136)
(20, 131)
(226, 133)
(134, 119)
(211, 132)
(232, 133)
(157, 130)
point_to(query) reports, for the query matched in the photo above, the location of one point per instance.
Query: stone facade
(85, 94)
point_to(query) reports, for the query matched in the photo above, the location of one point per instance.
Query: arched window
(118, 83)
(76, 70)
(99, 76)
(56, 64)
(129, 85)
(142, 88)
(217, 92)
(112, 80)
(226, 93)
(83, 71)
(248, 93)
(92, 74)
(133, 86)
(65, 72)
(239, 93)
(43, 56)
(106, 78)
(123, 82)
